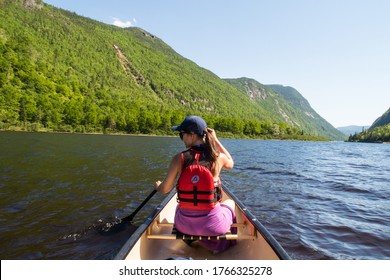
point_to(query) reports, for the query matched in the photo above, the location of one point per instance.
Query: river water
(320, 200)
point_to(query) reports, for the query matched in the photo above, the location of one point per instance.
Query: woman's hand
(225, 158)
(157, 184)
(212, 132)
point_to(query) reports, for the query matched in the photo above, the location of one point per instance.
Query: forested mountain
(379, 131)
(382, 120)
(63, 72)
(310, 118)
(287, 105)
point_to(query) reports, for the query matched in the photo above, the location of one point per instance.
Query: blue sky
(335, 53)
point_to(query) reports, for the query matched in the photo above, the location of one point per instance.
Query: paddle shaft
(131, 216)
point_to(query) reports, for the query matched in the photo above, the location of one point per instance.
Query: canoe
(155, 239)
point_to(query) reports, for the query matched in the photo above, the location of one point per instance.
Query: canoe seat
(175, 234)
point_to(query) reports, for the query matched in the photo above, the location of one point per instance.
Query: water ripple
(319, 200)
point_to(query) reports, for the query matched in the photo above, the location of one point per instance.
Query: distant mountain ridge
(352, 129)
(65, 72)
(314, 119)
(287, 105)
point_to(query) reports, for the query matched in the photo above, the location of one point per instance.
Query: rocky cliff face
(33, 4)
(253, 92)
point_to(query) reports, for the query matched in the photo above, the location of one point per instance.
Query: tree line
(376, 135)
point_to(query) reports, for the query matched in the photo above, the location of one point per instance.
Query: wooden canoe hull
(153, 239)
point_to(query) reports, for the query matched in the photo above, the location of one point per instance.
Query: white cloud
(123, 24)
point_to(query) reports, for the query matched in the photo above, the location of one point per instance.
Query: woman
(199, 210)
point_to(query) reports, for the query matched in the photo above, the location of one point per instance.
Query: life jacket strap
(195, 200)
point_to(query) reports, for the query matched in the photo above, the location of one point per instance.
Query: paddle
(118, 225)
(132, 215)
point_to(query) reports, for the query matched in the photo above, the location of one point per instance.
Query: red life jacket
(196, 188)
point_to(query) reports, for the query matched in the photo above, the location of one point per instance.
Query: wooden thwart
(237, 225)
(178, 235)
(194, 237)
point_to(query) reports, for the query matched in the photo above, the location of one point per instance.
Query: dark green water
(56, 187)
(319, 200)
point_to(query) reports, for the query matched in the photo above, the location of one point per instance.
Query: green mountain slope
(287, 105)
(116, 74)
(310, 118)
(60, 71)
(382, 120)
(379, 131)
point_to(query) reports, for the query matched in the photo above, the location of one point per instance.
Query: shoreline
(221, 135)
(85, 133)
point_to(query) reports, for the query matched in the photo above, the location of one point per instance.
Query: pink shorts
(207, 223)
